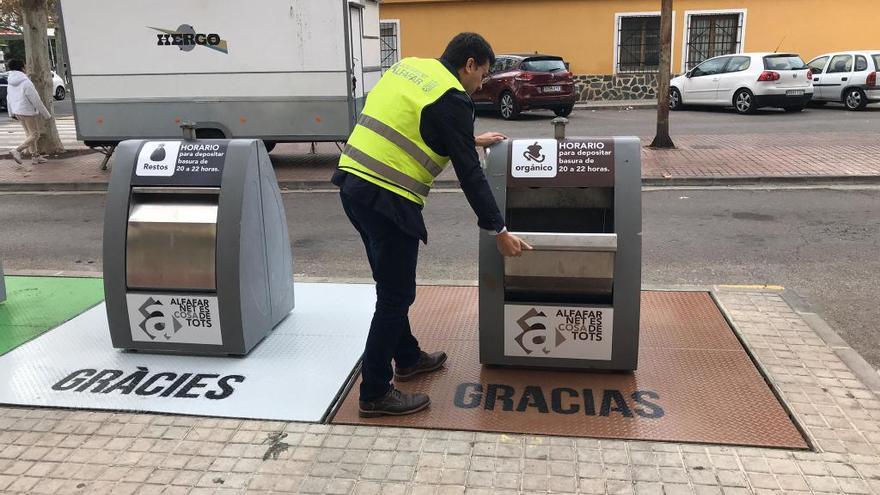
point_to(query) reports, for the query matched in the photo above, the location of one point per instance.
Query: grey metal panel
(271, 120)
(248, 271)
(295, 374)
(491, 287)
(235, 294)
(115, 227)
(627, 267)
(280, 258)
(628, 264)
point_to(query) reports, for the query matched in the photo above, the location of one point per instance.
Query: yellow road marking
(759, 287)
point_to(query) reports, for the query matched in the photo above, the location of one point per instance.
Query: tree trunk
(35, 17)
(662, 139)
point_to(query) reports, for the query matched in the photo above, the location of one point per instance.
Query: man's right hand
(510, 245)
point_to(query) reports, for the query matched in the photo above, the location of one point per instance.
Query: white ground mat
(294, 374)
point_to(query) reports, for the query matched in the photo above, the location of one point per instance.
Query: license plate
(794, 92)
(552, 89)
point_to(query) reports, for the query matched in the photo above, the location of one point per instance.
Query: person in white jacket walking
(24, 104)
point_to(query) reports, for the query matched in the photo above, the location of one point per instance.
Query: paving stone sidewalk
(698, 157)
(62, 451)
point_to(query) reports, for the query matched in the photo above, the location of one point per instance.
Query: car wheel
(507, 106)
(564, 111)
(744, 101)
(675, 99)
(854, 99)
(60, 93)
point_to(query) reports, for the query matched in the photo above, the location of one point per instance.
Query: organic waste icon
(158, 154)
(533, 153)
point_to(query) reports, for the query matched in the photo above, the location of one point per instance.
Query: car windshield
(543, 65)
(784, 62)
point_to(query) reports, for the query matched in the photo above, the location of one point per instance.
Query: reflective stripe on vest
(386, 147)
(385, 171)
(399, 139)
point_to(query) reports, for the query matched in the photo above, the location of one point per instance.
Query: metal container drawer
(172, 245)
(563, 264)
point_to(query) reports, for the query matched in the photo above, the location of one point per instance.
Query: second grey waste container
(196, 249)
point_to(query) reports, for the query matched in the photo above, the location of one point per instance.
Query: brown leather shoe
(427, 362)
(394, 403)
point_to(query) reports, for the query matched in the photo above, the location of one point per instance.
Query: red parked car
(527, 82)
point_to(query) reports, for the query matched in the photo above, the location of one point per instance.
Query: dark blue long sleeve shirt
(447, 126)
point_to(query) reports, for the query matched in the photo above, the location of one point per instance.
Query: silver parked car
(846, 77)
(745, 81)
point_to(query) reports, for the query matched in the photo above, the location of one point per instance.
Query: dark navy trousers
(393, 255)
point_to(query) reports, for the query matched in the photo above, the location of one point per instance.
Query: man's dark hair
(15, 64)
(465, 46)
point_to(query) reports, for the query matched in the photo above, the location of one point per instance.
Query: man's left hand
(489, 138)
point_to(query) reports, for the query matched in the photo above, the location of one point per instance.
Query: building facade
(613, 46)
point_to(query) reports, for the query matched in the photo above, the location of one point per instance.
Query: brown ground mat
(695, 382)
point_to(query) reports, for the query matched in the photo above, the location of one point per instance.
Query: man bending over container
(417, 118)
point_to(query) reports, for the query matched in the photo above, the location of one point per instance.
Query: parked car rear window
(876, 61)
(784, 62)
(543, 65)
(861, 63)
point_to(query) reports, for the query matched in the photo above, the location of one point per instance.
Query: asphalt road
(820, 243)
(642, 121)
(705, 121)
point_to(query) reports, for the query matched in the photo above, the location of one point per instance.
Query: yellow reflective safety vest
(386, 147)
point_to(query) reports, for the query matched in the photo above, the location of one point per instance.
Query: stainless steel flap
(543, 241)
(563, 264)
(172, 245)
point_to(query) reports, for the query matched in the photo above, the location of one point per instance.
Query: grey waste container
(572, 302)
(196, 250)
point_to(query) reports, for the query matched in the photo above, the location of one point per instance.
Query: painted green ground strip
(37, 304)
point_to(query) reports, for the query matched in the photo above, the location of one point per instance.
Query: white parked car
(847, 77)
(745, 81)
(58, 87)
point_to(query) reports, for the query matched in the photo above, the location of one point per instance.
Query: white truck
(278, 70)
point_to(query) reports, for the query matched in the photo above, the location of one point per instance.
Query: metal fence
(638, 44)
(712, 35)
(389, 44)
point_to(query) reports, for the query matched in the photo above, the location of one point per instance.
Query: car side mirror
(815, 70)
(689, 74)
